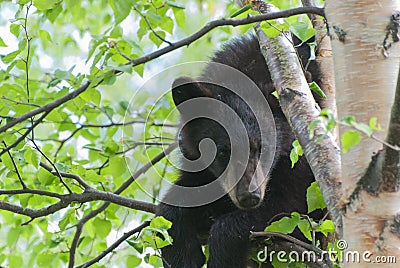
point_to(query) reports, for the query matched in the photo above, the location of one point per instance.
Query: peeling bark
(391, 165)
(365, 71)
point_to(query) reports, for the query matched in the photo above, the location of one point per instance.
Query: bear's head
(220, 133)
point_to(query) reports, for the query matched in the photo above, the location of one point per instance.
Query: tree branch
(225, 22)
(299, 107)
(66, 175)
(46, 108)
(23, 136)
(324, 65)
(68, 199)
(16, 168)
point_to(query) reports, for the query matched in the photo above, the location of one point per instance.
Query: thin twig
(25, 134)
(151, 28)
(53, 165)
(66, 175)
(124, 237)
(16, 168)
(289, 238)
(46, 108)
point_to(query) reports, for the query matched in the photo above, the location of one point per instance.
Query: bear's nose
(249, 200)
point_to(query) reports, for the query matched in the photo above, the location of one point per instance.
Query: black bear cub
(244, 195)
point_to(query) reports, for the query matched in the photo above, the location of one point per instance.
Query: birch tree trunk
(366, 69)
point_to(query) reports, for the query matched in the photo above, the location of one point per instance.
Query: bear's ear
(185, 88)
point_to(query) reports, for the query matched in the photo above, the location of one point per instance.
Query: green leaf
(271, 29)
(10, 56)
(2, 44)
(102, 227)
(15, 261)
(285, 225)
(121, 9)
(314, 87)
(124, 68)
(45, 177)
(242, 10)
(62, 75)
(326, 227)
(7, 161)
(52, 14)
(373, 124)
(110, 147)
(295, 152)
(12, 236)
(156, 40)
(117, 166)
(136, 245)
(133, 261)
(349, 139)
(32, 156)
(109, 79)
(302, 30)
(45, 4)
(176, 5)
(362, 127)
(180, 17)
(91, 95)
(314, 198)
(68, 217)
(161, 223)
(153, 17)
(305, 228)
(167, 24)
(44, 35)
(155, 261)
(15, 29)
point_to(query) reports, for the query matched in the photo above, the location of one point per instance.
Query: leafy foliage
(95, 140)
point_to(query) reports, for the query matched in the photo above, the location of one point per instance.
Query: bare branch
(30, 191)
(68, 199)
(124, 237)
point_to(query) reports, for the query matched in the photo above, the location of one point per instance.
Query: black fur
(221, 224)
